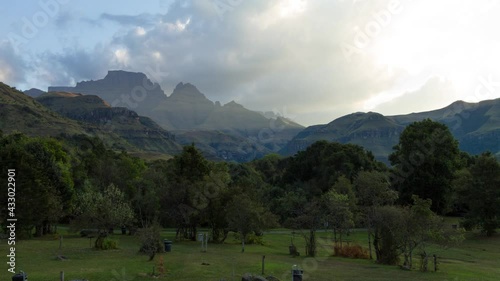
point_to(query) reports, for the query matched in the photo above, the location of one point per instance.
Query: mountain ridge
(119, 128)
(187, 109)
(474, 125)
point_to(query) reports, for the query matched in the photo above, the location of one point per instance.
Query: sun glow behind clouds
(453, 40)
(3, 76)
(290, 8)
(140, 31)
(122, 57)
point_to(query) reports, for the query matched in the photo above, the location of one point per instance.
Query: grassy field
(478, 258)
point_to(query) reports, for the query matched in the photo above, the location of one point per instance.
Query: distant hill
(58, 114)
(19, 112)
(186, 110)
(475, 125)
(34, 92)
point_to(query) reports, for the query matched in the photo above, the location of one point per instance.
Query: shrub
(351, 251)
(251, 239)
(150, 241)
(109, 244)
(254, 239)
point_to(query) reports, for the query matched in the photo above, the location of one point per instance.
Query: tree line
(80, 180)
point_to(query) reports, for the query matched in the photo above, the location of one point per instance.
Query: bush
(351, 251)
(151, 241)
(109, 244)
(251, 239)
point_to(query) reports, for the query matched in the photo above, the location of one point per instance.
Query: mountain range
(65, 114)
(130, 112)
(229, 132)
(475, 125)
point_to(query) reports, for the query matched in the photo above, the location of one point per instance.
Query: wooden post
(232, 279)
(62, 276)
(370, 244)
(263, 258)
(435, 262)
(60, 245)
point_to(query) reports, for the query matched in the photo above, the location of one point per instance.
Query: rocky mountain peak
(233, 104)
(117, 79)
(187, 91)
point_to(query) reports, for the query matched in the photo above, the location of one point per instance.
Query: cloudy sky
(311, 60)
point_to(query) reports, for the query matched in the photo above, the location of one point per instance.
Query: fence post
(62, 276)
(263, 258)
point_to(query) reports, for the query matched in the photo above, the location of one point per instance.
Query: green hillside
(475, 125)
(59, 114)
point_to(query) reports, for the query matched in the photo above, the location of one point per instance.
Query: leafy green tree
(338, 214)
(272, 168)
(425, 160)
(402, 230)
(479, 190)
(151, 200)
(93, 161)
(345, 187)
(215, 198)
(185, 199)
(102, 210)
(288, 203)
(43, 172)
(308, 218)
(146, 203)
(322, 163)
(372, 190)
(421, 226)
(388, 224)
(245, 216)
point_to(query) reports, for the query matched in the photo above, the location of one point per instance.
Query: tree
(479, 190)
(151, 241)
(271, 167)
(338, 214)
(421, 225)
(43, 171)
(345, 187)
(216, 197)
(102, 210)
(245, 216)
(322, 163)
(187, 175)
(402, 230)
(308, 218)
(425, 160)
(146, 203)
(388, 224)
(372, 190)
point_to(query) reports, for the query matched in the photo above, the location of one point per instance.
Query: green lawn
(478, 258)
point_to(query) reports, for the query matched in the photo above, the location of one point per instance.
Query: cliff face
(132, 90)
(140, 131)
